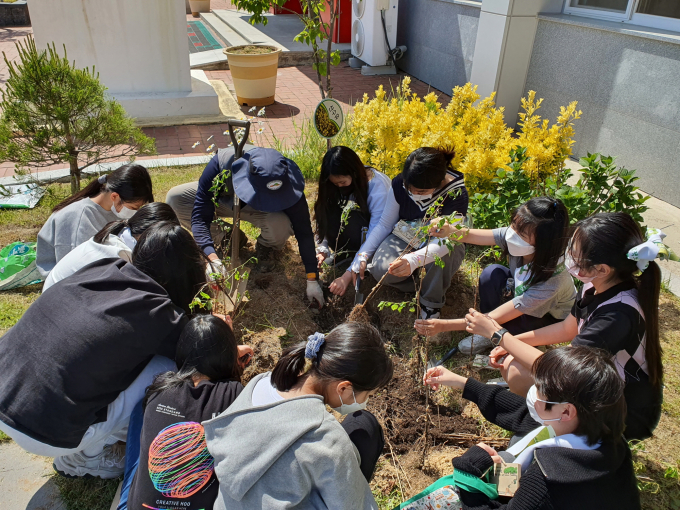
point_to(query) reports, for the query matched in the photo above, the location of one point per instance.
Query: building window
(664, 14)
(620, 6)
(665, 8)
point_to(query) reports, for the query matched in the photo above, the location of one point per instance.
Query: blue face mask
(350, 408)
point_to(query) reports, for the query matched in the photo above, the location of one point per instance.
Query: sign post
(328, 119)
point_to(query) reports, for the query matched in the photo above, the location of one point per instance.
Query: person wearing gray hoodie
(277, 447)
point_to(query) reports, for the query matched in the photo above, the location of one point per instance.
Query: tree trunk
(75, 175)
(315, 48)
(334, 7)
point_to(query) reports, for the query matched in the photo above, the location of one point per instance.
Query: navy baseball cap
(266, 180)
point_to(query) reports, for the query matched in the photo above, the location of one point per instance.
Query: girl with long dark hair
(618, 310)
(535, 291)
(168, 421)
(277, 443)
(111, 197)
(92, 344)
(116, 239)
(426, 178)
(349, 205)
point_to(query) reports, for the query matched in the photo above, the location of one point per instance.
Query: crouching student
(535, 291)
(75, 220)
(618, 311)
(277, 447)
(116, 239)
(587, 465)
(165, 435)
(92, 344)
(349, 205)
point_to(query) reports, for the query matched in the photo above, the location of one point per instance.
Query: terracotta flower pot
(198, 6)
(254, 74)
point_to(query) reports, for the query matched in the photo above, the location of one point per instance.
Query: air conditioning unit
(368, 34)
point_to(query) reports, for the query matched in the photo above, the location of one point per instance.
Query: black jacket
(559, 478)
(83, 342)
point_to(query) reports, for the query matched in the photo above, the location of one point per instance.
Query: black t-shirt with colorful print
(175, 469)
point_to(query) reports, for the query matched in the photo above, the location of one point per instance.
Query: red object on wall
(293, 5)
(343, 25)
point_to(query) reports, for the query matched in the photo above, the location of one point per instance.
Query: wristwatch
(498, 336)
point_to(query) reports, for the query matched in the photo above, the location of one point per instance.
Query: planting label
(328, 118)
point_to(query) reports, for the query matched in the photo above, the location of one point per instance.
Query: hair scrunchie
(102, 179)
(651, 249)
(314, 343)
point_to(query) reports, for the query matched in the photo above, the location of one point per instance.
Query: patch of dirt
(251, 50)
(401, 409)
(267, 347)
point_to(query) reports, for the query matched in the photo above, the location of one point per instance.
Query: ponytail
(144, 218)
(131, 182)
(289, 367)
(206, 347)
(353, 351)
(649, 288)
(426, 167)
(606, 238)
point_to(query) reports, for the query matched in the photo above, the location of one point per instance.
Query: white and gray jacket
(291, 454)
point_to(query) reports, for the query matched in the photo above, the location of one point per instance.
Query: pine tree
(53, 112)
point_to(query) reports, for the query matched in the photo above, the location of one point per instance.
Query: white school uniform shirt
(86, 253)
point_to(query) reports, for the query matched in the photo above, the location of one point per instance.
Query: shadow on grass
(659, 484)
(92, 494)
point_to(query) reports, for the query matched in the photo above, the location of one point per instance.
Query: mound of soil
(401, 409)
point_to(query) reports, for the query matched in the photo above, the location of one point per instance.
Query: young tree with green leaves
(315, 31)
(53, 112)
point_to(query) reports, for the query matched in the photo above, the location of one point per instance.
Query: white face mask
(573, 269)
(124, 213)
(532, 398)
(350, 408)
(517, 247)
(420, 198)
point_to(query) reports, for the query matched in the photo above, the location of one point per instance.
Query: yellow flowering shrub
(389, 128)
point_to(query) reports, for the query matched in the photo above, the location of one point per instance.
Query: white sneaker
(474, 344)
(110, 463)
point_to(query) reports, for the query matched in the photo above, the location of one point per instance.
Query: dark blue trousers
(492, 284)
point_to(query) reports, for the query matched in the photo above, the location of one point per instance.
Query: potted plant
(198, 6)
(253, 69)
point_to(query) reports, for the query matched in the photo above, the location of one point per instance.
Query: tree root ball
(359, 314)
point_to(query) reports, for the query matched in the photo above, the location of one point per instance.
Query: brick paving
(297, 94)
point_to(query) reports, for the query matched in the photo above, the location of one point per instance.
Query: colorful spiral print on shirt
(179, 461)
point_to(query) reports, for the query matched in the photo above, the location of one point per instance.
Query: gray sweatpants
(436, 282)
(275, 227)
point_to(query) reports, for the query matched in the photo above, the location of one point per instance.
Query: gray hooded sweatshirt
(291, 454)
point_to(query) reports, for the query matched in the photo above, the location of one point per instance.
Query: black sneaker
(265, 261)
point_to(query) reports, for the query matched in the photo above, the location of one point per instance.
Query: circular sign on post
(328, 118)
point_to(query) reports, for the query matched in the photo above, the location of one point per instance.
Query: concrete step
(233, 29)
(228, 36)
(251, 34)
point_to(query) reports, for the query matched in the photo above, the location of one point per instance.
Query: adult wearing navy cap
(271, 189)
